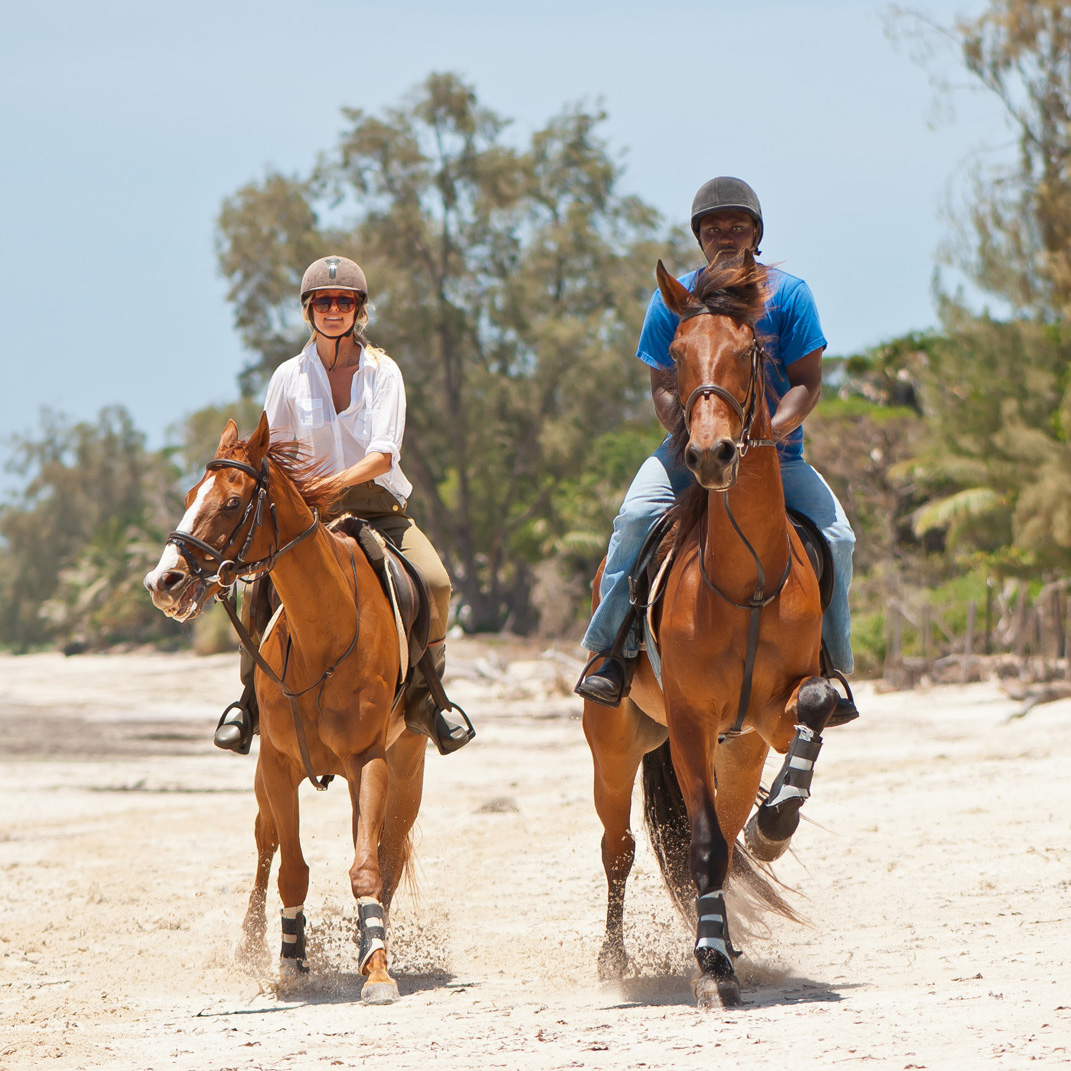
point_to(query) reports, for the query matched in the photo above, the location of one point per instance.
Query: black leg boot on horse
(769, 830)
(424, 712)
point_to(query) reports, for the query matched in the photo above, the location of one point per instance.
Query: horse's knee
(815, 702)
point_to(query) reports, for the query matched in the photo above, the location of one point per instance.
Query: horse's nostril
(691, 456)
(725, 450)
(171, 579)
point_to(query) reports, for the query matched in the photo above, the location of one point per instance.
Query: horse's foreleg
(694, 749)
(252, 949)
(280, 783)
(616, 753)
(368, 781)
(770, 829)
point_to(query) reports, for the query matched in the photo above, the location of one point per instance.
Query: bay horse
(739, 633)
(325, 681)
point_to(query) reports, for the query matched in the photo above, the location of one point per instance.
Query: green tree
(1020, 219)
(995, 463)
(76, 543)
(1014, 235)
(991, 466)
(508, 281)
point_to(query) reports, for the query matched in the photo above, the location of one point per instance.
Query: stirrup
(845, 711)
(243, 720)
(606, 698)
(450, 738)
(446, 737)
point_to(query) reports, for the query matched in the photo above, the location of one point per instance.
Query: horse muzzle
(715, 467)
(177, 593)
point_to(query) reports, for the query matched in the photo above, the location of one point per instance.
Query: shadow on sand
(762, 987)
(344, 987)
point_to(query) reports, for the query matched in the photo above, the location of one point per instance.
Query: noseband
(229, 569)
(745, 413)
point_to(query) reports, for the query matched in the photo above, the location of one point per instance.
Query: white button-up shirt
(299, 406)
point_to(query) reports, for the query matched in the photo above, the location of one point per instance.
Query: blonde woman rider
(343, 401)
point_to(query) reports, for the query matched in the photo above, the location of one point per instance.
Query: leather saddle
(647, 583)
(403, 584)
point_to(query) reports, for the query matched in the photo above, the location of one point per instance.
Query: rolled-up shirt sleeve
(387, 416)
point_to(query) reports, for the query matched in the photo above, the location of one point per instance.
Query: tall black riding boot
(423, 716)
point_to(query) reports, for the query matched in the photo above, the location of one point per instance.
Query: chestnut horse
(739, 633)
(334, 647)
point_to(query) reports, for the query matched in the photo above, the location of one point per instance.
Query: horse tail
(752, 885)
(666, 819)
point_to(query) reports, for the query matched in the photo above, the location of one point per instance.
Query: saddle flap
(814, 543)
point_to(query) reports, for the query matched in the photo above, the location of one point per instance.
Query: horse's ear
(228, 438)
(258, 443)
(674, 294)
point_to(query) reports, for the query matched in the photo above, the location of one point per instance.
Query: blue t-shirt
(789, 329)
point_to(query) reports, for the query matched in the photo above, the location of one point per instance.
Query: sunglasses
(344, 303)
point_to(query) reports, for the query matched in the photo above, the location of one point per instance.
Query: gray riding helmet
(333, 273)
(722, 193)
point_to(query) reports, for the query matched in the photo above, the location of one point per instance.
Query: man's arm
(664, 396)
(805, 377)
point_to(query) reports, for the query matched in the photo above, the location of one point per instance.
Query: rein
(746, 413)
(237, 566)
(229, 570)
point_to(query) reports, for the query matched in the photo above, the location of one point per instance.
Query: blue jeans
(655, 489)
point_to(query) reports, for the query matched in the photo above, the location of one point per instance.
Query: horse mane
(736, 287)
(317, 489)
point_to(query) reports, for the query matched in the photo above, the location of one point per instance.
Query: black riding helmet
(722, 193)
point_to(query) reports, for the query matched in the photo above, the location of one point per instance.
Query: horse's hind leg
(405, 762)
(770, 829)
(617, 745)
(252, 949)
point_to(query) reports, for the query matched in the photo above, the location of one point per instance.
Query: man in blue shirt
(726, 220)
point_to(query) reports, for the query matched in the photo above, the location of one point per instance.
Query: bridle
(230, 570)
(746, 413)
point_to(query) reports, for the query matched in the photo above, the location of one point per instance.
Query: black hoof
(613, 962)
(762, 847)
(711, 992)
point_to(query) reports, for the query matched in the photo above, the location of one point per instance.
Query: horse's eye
(232, 503)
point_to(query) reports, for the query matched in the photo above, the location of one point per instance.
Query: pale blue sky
(125, 124)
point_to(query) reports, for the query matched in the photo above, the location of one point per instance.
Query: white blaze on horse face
(171, 559)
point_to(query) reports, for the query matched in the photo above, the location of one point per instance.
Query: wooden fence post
(968, 641)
